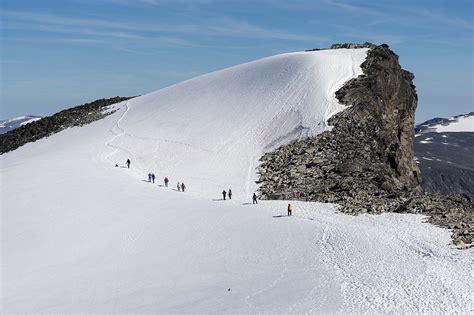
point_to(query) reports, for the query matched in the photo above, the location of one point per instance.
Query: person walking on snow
(179, 187)
(254, 198)
(183, 187)
(128, 163)
(149, 177)
(224, 193)
(290, 209)
(153, 177)
(166, 181)
(230, 194)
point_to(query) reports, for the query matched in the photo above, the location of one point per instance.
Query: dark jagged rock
(348, 46)
(366, 162)
(72, 117)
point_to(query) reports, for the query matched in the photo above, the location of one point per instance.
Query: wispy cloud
(448, 20)
(227, 27)
(411, 15)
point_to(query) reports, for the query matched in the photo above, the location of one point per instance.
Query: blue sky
(56, 54)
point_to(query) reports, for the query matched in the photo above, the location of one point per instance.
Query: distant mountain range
(10, 124)
(459, 123)
(444, 149)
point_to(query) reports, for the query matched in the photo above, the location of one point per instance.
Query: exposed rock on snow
(366, 156)
(346, 46)
(366, 162)
(37, 129)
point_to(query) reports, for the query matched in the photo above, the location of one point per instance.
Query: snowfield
(82, 236)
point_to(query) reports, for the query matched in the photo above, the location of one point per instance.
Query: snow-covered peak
(81, 235)
(13, 123)
(212, 130)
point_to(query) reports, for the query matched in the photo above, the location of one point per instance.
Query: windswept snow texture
(82, 236)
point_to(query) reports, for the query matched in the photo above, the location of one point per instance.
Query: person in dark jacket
(153, 177)
(183, 187)
(166, 181)
(254, 198)
(128, 163)
(230, 194)
(149, 177)
(224, 193)
(179, 186)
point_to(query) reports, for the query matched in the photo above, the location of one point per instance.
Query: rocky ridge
(72, 117)
(366, 162)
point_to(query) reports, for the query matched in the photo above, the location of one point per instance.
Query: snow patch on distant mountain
(457, 124)
(445, 148)
(13, 123)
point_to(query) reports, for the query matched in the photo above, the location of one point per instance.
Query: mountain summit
(83, 231)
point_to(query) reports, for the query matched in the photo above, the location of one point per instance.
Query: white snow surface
(79, 235)
(459, 124)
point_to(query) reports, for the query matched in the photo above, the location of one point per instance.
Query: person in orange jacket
(290, 209)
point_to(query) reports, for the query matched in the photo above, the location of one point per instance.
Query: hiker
(290, 209)
(179, 187)
(153, 177)
(224, 193)
(166, 181)
(230, 194)
(254, 198)
(183, 187)
(149, 177)
(128, 163)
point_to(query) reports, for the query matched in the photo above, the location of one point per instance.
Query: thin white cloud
(448, 20)
(227, 27)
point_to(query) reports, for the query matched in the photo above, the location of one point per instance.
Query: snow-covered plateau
(79, 235)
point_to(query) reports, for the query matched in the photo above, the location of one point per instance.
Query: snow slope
(79, 235)
(210, 131)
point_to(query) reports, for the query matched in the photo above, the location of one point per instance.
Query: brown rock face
(385, 99)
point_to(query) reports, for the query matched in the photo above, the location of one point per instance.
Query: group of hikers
(224, 194)
(182, 187)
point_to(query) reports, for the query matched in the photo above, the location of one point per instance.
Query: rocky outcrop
(366, 162)
(76, 116)
(346, 45)
(367, 156)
